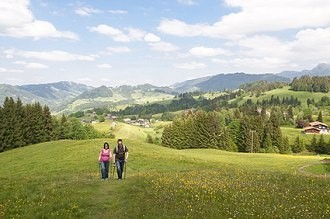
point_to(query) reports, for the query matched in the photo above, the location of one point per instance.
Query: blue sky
(111, 42)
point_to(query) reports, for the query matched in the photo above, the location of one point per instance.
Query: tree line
(184, 101)
(260, 87)
(250, 130)
(276, 101)
(244, 132)
(311, 84)
(22, 125)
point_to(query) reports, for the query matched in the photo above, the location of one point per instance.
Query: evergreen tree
(2, 128)
(17, 120)
(275, 130)
(298, 145)
(8, 124)
(245, 138)
(267, 144)
(48, 123)
(321, 146)
(285, 147)
(290, 112)
(314, 144)
(320, 117)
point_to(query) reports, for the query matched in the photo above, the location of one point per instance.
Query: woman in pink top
(104, 159)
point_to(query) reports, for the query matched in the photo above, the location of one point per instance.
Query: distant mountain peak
(322, 69)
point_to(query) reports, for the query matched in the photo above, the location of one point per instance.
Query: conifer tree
(2, 128)
(320, 117)
(245, 138)
(298, 145)
(275, 130)
(285, 146)
(321, 146)
(314, 144)
(8, 124)
(267, 144)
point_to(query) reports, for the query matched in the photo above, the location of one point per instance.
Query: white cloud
(8, 70)
(150, 37)
(34, 65)
(87, 11)
(118, 12)
(135, 34)
(187, 2)
(107, 66)
(130, 34)
(257, 16)
(191, 65)
(120, 49)
(16, 20)
(163, 47)
(31, 65)
(207, 52)
(55, 55)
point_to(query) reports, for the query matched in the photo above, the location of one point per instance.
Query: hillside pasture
(61, 179)
(286, 92)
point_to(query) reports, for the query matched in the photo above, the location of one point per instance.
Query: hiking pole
(99, 164)
(113, 170)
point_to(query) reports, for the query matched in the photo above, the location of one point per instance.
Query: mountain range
(70, 96)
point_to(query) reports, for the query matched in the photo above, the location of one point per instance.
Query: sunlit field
(61, 179)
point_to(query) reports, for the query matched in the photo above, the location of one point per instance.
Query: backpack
(116, 149)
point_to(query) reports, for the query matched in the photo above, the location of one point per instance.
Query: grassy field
(286, 92)
(292, 134)
(61, 179)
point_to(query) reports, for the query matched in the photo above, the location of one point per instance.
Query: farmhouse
(317, 128)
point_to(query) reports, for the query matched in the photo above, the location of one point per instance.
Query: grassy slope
(61, 179)
(285, 92)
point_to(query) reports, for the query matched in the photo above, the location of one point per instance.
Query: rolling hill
(56, 91)
(69, 96)
(226, 81)
(161, 182)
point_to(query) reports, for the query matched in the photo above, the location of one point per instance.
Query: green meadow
(286, 92)
(61, 180)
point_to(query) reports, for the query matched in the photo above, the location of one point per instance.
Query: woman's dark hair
(106, 145)
(119, 140)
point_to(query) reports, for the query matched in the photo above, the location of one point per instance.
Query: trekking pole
(113, 170)
(99, 164)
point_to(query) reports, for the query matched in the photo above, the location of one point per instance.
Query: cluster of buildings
(139, 122)
(317, 128)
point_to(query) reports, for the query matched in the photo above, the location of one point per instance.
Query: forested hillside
(23, 125)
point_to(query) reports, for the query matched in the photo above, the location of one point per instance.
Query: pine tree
(320, 117)
(8, 124)
(2, 128)
(290, 112)
(321, 146)
(245, 138)
(267, 144)
(298, 145)
(314, 144)
(285, 147)
(275, 130)
(47, 123)
(18, 124)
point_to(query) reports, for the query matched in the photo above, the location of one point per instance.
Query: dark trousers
(105, 169)
(120, 168)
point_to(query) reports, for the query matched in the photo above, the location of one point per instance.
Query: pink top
(105, 156)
